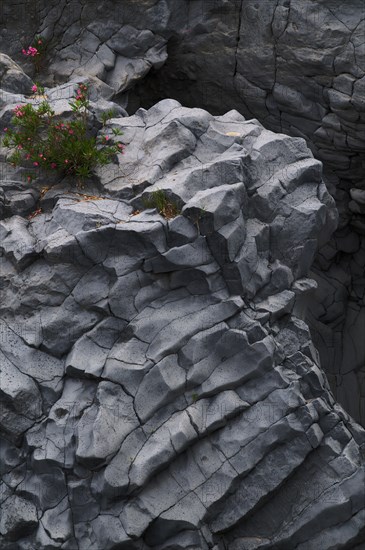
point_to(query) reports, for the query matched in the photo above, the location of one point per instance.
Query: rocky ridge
(160, 387)
(296, 65)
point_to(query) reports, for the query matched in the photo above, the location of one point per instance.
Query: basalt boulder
(161, 389)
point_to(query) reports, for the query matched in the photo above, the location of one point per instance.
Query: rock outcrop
(160, 387)
(297, 66)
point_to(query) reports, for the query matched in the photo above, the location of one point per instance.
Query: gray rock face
(161, 389)
(12, 77)
(298, 66)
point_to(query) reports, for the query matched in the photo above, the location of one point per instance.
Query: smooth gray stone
(57, 521)
(161, 384)
(16, 241)
(116, 473)
(12, 77)
(88, 356)
(181, 231)
(98, 438)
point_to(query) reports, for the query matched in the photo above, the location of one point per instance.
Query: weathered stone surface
(162, 385)
(104, 426)
(12, 78)
(296, 65)
(18, 518)
(21, 399)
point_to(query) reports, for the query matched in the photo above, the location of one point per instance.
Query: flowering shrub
(37, 89)
(36, 52)
(39, 140)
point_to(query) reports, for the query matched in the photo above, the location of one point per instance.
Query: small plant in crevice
(199, 216)
(194, 397)
(166, 207)
(36, 52)
(107, 115)
(38, 91)
(39, 139)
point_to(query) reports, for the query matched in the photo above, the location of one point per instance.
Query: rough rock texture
(160, 389)
(298, 66)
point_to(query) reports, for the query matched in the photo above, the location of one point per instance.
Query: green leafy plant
(163, 205)
(39, 139)
(36, 52)
(107, 115)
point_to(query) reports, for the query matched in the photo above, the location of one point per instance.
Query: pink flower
(53, 165)
(29, 178)
(66, 161)
(35, 163)
(27, 157)
(39, 41)
(5, 129)
(71, 132)
(40, 155)
(18, 111)
(34, 88)
(20, 146)
(106, 138)
(30, 51)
